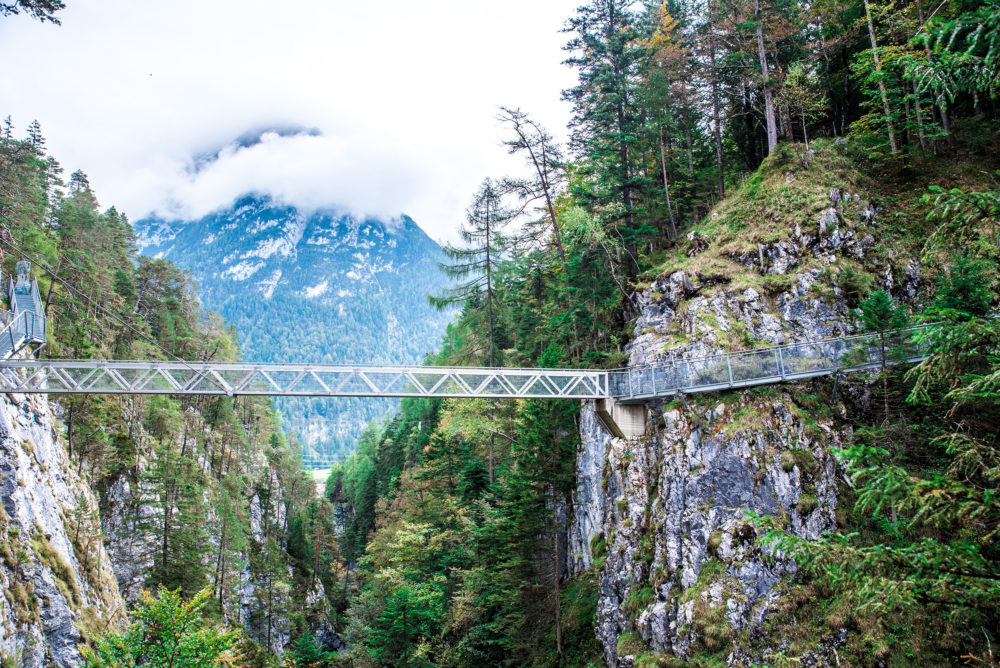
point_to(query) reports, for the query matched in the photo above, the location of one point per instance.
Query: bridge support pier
(621, 420)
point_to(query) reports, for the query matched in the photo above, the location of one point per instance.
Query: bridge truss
(684, 375)
(55, 376)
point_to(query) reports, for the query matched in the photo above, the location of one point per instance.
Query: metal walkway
(24, 325)
(763, 366)
(225, 378)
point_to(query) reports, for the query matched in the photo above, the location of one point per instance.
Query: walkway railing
(224, 378)
(763, 366)
(24, 327)
(794, 361)
(25, 323)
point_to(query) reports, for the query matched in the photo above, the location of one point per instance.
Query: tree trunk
(908, 128)
(316, 543)
(48, 297)
(945, 125)
(69, 430)
(881, 84)
(270, 606)
(716, 125)
(489, 311)
(666, 183)
(555, 574)
(750, 148)
(220, 566)
(920, 117)
(626, 176)
(689, 145)
(542, 171)
(846, 67)
(772, 128)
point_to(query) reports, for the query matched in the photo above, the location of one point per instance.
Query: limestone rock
(682, 564)
(55, 573)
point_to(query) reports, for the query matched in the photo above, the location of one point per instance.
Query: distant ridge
(324, 286)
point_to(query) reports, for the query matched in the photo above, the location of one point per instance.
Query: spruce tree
(478, 260)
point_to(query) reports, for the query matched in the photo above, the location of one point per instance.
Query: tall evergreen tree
(606, 116)
(478, 260)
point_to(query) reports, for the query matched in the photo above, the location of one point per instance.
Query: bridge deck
(215, 378)
(763, 366)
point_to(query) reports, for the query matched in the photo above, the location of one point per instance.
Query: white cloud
(405, 95)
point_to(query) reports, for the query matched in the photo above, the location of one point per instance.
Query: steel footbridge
(24, 326)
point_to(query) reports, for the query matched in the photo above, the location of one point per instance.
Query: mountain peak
(312, 286)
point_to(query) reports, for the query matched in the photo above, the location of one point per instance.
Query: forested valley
(738, 175)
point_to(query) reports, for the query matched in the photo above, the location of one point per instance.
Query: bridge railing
(22, 327)
(234, 378)
(29, 322)
(38, 330)
(699, 374)
(767, 365)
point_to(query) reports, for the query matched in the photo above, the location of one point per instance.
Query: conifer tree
(606, 120)
(545, 159)
(478, 260)
(167, 632)
(43, 10)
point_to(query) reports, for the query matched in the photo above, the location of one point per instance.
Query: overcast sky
(404, 95)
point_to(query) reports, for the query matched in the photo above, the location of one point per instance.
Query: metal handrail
(23, 325)
(8, 334)
(792, 361)
(788, 362)
(36, 296)
(849, 337)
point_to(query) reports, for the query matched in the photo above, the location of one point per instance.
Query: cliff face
(681, 567)
(667, 518)
(132, 541)
(56, 576)
(70, 563)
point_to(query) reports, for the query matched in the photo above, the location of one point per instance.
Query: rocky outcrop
(669, 518)
(682, 565)
(126, 518)
(259, 603)
(56, 577)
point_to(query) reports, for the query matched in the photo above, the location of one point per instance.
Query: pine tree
(545, 159)
(606, 121)
(478, 261)
(43, 10)
(167, 632)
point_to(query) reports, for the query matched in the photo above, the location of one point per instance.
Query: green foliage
(967, 287)
(606, 130)
(926, 554)
(478, 261)
(969, 222)
(966, 53)
(186, 470)
(451, 503)
(449, 572)
(307, 653)
(631, 643)
(43, 10)
(854, 285)
(167, 631)
(879, 313)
